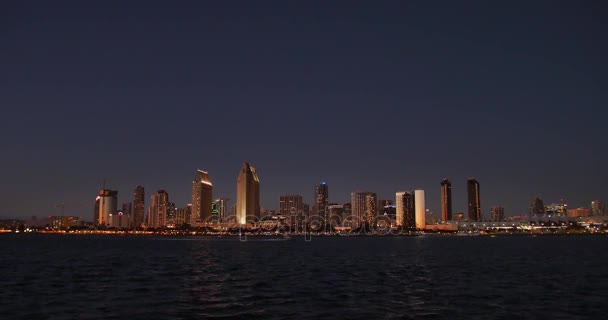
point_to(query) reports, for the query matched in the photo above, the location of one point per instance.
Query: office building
(420, 209)
(106, 205)
(474, 203)
(247, 193)
(139, 206)
(157, 213)
(497, 213)
(321, 198)
(446, 200)
(202, 195)
(537, 207)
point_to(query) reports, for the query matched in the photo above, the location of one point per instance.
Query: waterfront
(87, 277)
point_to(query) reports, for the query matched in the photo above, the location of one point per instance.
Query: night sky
(376, 95)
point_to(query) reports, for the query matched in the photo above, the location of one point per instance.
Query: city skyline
(509, 93)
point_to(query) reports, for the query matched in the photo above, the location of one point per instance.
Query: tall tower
(159, 207)
(420, 208)
(446, 200)
(247, 193)
(106, 205)
(202, 190)
(371, 207)
(358, 206)
(139, 206)
(474, 203)
(321, 198)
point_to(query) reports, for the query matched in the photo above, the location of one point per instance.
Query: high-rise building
(157, 213)
(221, 205)
(474, 203)
(291, 204)
(171, 215)
(371, 207)
(321, 198)
(405, 209)
(446, 200)
(537, 207)
(420, 208)
(202, 192)
(106, 205)
(497, 213)
(139, 206)
(247, 194)
(358, 206)
(182, 215)
(598, 208)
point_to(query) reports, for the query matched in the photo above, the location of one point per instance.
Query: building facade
(446, 200)
(420, 209)
(106, 205)
(202, 195)
(321, 198)
(157, 213)
(474, 203)
(139, 206)
(497, 213)
(247, 194)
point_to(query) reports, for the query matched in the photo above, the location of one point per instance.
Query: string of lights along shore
(407, 211)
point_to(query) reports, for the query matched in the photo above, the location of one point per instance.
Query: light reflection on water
(88, 277)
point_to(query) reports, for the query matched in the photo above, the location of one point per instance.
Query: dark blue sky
(376, 95)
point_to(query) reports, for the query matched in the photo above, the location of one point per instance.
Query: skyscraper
(371, 207)
(247, 194)
(358, 206)
(139, 206)
(446, 200)
(321, 198)
(420, 208)
(159, 206)
(537, 208)
(474, 203)
(497, 213)
(291, 203)
(202, 190)
(106, 205)
(405, 213)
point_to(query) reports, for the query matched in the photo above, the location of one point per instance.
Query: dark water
(140, 277)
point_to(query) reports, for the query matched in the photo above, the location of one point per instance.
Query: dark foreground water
(141, 277)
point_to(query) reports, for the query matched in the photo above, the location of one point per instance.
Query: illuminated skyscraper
(474, 203)
(139, 206)
(420, 208)
(405, 213)
(159, 206)
(182, 215)
(446, 200)
(371, 207)
(291, 203)
(106, 205)
(171, 220)
(358, 206)
(321, 198)
(202, 190)
(247, 194)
